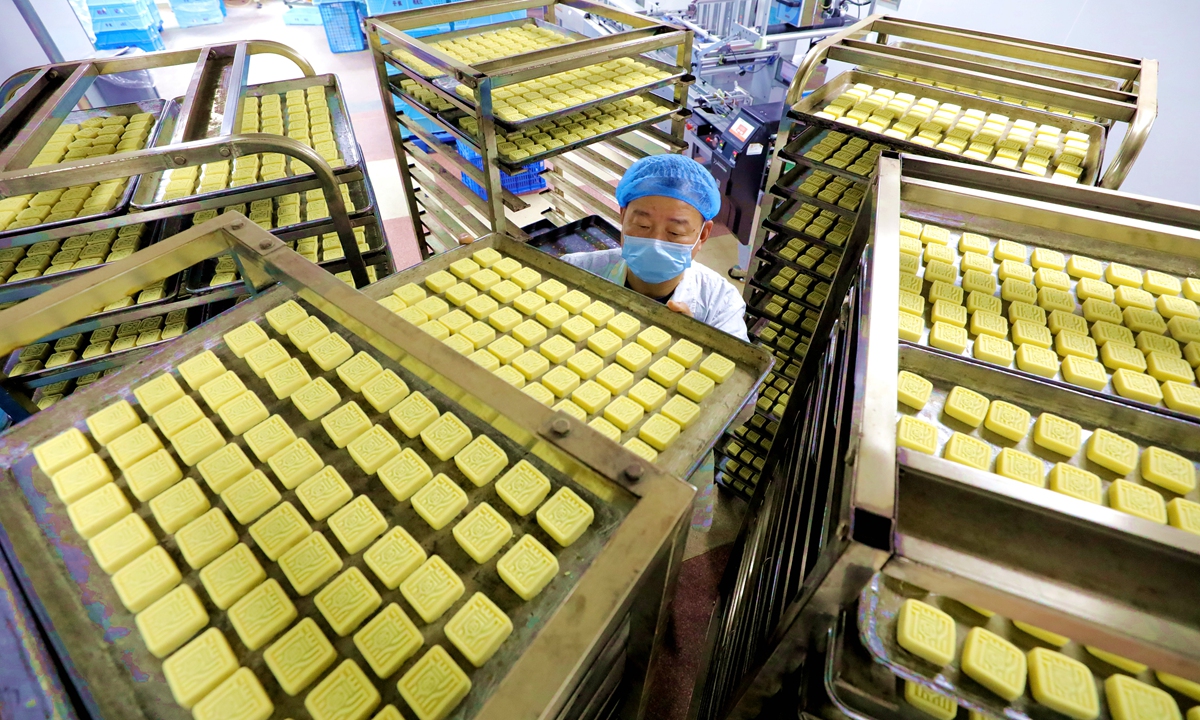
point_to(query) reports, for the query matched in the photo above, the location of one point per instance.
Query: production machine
(738, 161)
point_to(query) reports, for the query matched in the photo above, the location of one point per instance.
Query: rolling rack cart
(462, 100)
(855, 520)
(821, 164)
(203, 126)
(583, 636)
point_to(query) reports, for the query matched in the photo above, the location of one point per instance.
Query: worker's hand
(681, 308)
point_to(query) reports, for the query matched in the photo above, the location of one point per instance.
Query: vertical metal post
(389, 110)
(683, 58)
(238, 72)
(490, 157)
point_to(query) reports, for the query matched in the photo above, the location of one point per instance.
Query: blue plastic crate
(383, 7)
(110, 15)
(489, 19)
(148, 39)
(302, 15)
(343, 25)
(526, 182)
(192, 13)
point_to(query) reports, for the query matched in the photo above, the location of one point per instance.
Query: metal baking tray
(151, 186)
(584, 235)
(717, 411)
(1033, 239)
(803, 142)
(33, 286)
(878, 611)
(478, 30)
(812, 103)
(788, 186)
(1162, 429)
(449, 120)
(99, 635)
(158, 108)
(854, 684)
(201, 274)
(83, 366)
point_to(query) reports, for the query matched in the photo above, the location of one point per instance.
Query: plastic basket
(302, 15)
(527, 182)
(198, 12)
(110, 15)
(489, 19)
(147, 39)
(343, 25)
(383, 7)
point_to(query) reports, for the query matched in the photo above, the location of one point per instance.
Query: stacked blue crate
(489, 19)
(343, 24)
(126, 23)
(529, 181)
(191, 13)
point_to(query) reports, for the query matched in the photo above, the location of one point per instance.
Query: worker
(667, 207)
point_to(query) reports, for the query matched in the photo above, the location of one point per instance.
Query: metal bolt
(560, 427)
(633, 472)
(179, 160)
(224, 152)
(264, 245)
(237, 225)
(53, 74)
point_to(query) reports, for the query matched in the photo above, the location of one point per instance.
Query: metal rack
(844, 503)
(1076, 90)
(1051, 80)
(443, 208)
(598, 632)
(197, 128)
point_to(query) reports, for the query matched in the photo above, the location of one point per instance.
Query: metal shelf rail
(845, 503)
(441, 205)
(198, 128)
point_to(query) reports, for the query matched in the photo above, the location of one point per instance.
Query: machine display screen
(741, 129)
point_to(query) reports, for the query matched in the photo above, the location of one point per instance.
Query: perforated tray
(879, 607)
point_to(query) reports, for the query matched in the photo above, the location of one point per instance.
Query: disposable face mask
(656, 261)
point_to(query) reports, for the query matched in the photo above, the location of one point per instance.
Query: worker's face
(664, 218)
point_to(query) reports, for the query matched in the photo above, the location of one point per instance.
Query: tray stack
(512, 100)
(164, 143)
(594, 590)
(893, 492)
(998, 86)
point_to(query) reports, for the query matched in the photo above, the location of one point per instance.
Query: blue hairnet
(673, 176)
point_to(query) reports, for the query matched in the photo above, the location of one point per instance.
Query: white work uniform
(713, 301)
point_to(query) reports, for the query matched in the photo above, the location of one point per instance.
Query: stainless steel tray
(83, 366)
(1143, 258)
(99, 635)
(878, 611)
(477, 30)
(717, 411)
(28, 288)
(200, 275)
(812, 103)
(449, 120)
(151, 186)
(159, 108)
(1146, 429)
